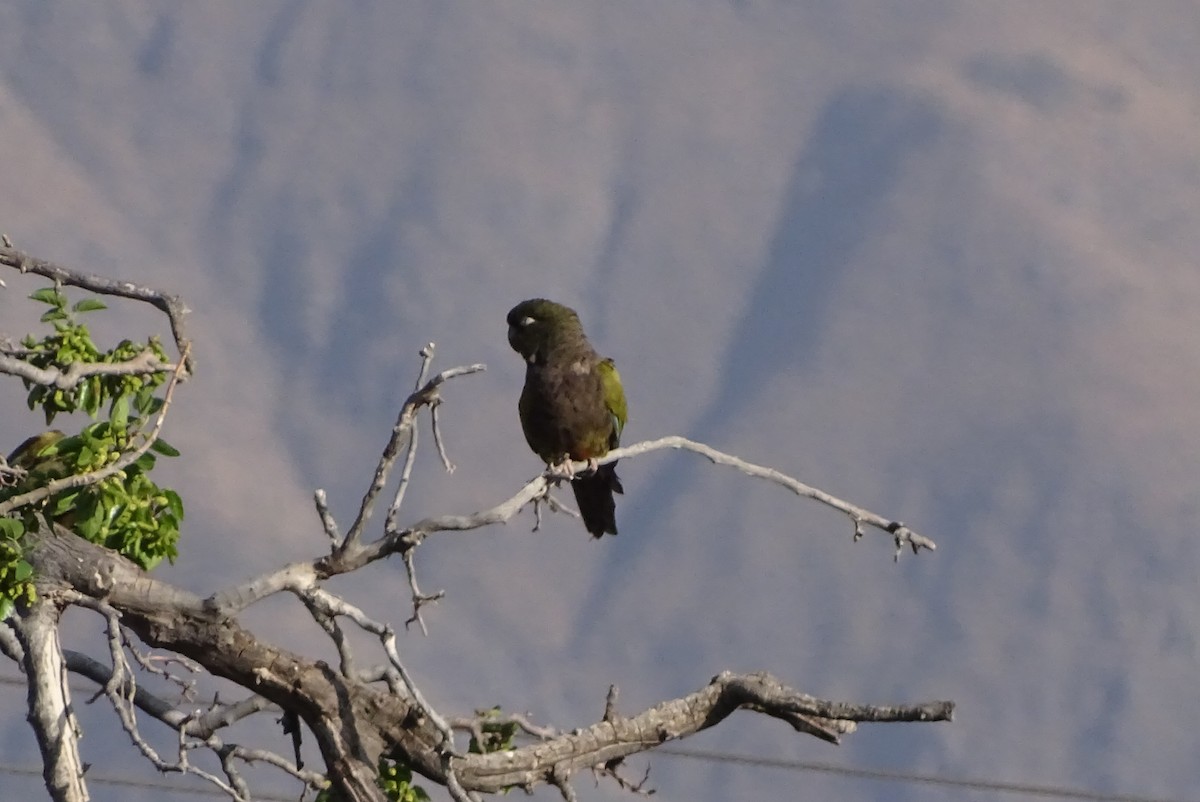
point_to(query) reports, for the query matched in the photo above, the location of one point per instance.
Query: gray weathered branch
(50, 713)
(171, 305)
(355, 553)
(144, 363)
(355, 722)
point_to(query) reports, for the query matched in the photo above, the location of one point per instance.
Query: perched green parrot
(573, 404)
(28, 455)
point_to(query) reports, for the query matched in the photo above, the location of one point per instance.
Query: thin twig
(419, 599)
(332, 605)
(474, 725)
(146, 663)
(404, 423)
(120, 690)
(410, 459)
(435, 422)
(201, 725)
(335, 633)
(327, 521)
(171, 305)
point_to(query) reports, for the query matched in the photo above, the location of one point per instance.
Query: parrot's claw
(563, 469)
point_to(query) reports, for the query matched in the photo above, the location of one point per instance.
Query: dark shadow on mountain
(269, 66)
(849, 166)
(1035, 78)
(155, 52)
(364, 314)
(625, 206)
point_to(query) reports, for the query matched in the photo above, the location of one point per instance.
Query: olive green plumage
(573, 404)
(29, 456)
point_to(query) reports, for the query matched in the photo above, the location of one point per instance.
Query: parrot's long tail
(594, 495)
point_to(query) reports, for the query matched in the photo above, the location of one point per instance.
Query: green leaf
(22, 571)
(161, 446)
(53, 315)
(90, 396)
(88, 305)
(64, 503)
(89, 518)
(48, 295)
(85, 397)
(11, 528)
(119, 416)
(175, 503)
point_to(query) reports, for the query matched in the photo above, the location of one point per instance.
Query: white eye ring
(525, 321)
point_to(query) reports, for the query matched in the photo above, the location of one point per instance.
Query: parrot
(572, 405)
(29, 456)
(37, 456)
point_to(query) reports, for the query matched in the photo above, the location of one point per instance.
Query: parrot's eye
(525, 321)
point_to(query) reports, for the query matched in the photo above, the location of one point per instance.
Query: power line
(1026, 789)
(148, 785)
(882, 775)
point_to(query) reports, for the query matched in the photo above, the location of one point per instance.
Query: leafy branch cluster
(491, 731)
(124, 510)
(71, 344)
(395, 780)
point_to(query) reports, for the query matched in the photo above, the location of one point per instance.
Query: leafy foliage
(497, 735)
(395, 780)
(15, 572)
(72, 343)
(128, 511)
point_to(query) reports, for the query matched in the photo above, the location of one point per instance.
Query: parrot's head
(536, 324)
(36, 458)
(26, 455)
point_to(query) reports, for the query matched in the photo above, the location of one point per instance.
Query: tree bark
(50, 712)
(355, 722)
(342, 714)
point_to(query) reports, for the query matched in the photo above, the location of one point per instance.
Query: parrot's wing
(614, 397)
(26, 454)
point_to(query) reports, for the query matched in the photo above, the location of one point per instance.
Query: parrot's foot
(565, 468)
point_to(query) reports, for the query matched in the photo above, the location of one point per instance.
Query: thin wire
(101, 779)
(1027, 789)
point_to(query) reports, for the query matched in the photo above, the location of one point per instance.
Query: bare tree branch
(120, 690)
(171, 305)
(606, 741)
(354, 554)
(298, 576)
(355, 722)
(425, 396)
(201, 725)
(144, 363)
(50, 713)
